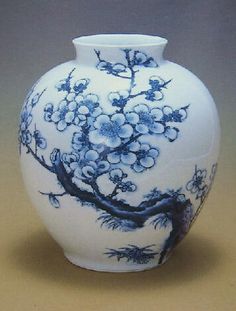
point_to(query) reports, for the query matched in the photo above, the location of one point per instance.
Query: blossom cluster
(26, 135)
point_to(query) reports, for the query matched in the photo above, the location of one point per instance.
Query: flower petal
(145, 147)
(157, 128)
(113, 95)
(88, 171)
(183, 113)
(91, 155)
(171, 133)
(147, 162)
(72, 106)
(47, 116)
(78, 172)
(83, 110)
(91, 97)
(128, 158)
(137, 168)
(103, 118)
(96, 112)
(113, 157)
(79, 98)
(48, 107)
(141, 108)
(154, 153)
(69, 117)
(117, 172)
(62, 105)
(119, 118)
(167, 110)
(74, 165)
(96, 138)
(141, 128)
(157, 114)
(125, 131)
(132, 117)
(103, 166)
(71, 96)
(112, 141)
(61, 125)
(56, 116)
(134, 146)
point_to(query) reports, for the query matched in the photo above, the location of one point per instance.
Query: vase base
(77, 261)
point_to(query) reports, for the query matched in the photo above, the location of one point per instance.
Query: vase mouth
(120, 40)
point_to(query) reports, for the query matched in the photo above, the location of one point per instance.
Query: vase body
(118, 152)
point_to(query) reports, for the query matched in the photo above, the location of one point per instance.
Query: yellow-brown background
(35, 36)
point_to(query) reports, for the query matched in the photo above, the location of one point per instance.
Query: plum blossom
(88, 105)
(39, 139)
(79, 140)
(110, 130)
(70, 161)
(25, 120)
(141, 59)
(114, 69)
(80, 85)
(155, 92)
(146, 158)
(90, 166)
(117, 175)
(126, 155)
(146, 120)
(177, 115)
(62, 117)
(119, 99)
(197, 182)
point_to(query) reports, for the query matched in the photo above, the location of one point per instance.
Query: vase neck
(119, 49)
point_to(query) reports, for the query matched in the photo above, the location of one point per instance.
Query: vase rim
(120, 40)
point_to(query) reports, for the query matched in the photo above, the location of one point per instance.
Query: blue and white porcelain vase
(118, 151)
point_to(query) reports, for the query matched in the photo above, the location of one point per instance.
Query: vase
(118, 151)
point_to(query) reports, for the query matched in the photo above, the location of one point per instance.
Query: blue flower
(127, 186)
(35, 99)
(39, 140)
(110, 130)
(63, 85)
(171, 133)
(146, 120)
(170, 115)
(119, 99)
(63, 116)
(25, 137)
(141, 58)
(79, 141)
(197, 182)
(70, 161)
(126, 155)
(117, 175)
(25, 117)
(90, 166)
(48, 111)
(146, 158)
(88, 105)
(25, 120)
(80, 85)
(202, 193)
(110, 68)
(155, 93)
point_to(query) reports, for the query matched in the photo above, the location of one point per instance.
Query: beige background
(35, 35)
